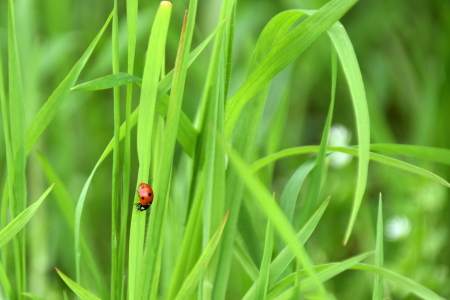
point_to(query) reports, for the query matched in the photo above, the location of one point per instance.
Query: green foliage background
(403, 52)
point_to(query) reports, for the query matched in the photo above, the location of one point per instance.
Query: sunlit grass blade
(106, 82)
(17, 113)
(154, 61)
(319, 173)
(54, 102)
(379, 255)
(77, 289)
(353, 151)
(439, 155)
(283, 54)
(280, 263)
(263, 280)
(274, 213)
(21, 220)
(323, 275)
(191, 281)
(400, 280)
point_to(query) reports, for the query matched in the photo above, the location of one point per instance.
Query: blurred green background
(403, 48)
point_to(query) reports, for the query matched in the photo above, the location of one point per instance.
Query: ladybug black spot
(149, 194)
(142, 198)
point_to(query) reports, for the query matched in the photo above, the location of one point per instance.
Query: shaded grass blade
(77, 289)
(280, 263)
(21, 220)
(54, 102)
(274, 214)
(263, 280)
(379, 255)
(191, 281)
(318, 174)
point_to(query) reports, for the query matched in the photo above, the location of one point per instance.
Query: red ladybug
(145, 197)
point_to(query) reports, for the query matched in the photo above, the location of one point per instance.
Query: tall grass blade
(263, 280)
(21, 220)
(191, 281)
(379, 255)
(76, 288)
(439, 155)
(154, 62)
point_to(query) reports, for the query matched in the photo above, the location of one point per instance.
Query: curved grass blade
(400, 280)
(191, 281)
(353, 151)
(439, 155)
(106, 82)
(274, 213)
(77, 289)
(283, 54)
(319, 172)
(54, 102)
(325, 275)
(280, 263)
(379, 256)
(21, 220)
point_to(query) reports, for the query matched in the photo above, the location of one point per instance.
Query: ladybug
(145, 197)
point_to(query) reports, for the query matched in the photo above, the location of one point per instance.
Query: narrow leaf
(21, 220)
(107, 82)
(379, 256)
(77, 289)
(263, 281)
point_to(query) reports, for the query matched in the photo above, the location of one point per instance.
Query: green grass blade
(379, 255)
(402, 281)
(66, 207)
(153, 64)
(439, 155)
(116, 274)
(318, 174)
(54, 102)
(17, 113)
(244, 258)
(290, 192)
(77, 289)
(280, 263)
(191, 281)
(324, 275)
(21, 220)
(274, 214)
(283, 54)
(263, 280)
(353, 151)
(350, 66)
(243, 141)
(107, 82)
